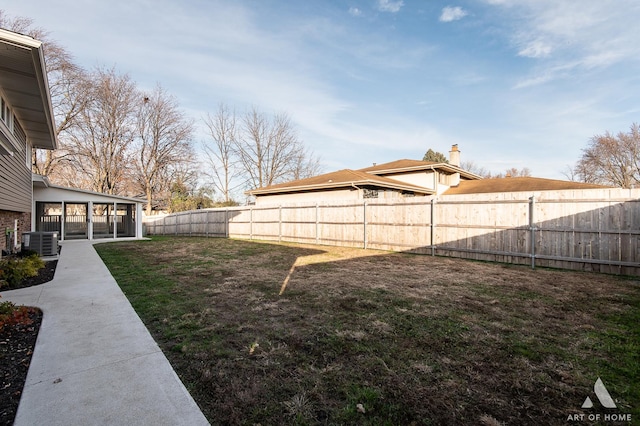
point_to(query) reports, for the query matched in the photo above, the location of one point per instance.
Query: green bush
(13, 271)
(26, 253)
(7, 308)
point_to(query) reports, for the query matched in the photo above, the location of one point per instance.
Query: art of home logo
(605, 400)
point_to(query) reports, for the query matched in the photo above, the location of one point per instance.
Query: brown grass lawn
(370, 337)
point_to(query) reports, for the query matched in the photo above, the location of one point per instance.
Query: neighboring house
(26, 122)
(403, 178)
(80, 214)
(397, 179)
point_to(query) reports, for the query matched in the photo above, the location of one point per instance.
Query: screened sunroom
(78, 214)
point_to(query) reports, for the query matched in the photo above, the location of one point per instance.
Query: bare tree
(99, 146)
(67, 86)
(70, 95)
(481, 171)
(268, 150)
(472, 167)
(221, 162)
(612, 160)
(163, 139)
(305, 165)
(570, 173)
(514, 172)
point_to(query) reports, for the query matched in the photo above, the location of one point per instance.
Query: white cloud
(450, 14)
(548, 74)
(574, 36)
(354, 11)
(390, 5)
(536, 49)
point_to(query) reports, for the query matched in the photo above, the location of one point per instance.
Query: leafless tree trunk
(306, 165)
(221, 165)
(67, 86)
(612, 160)
(269, 151)
(100, 145)
(163, 141)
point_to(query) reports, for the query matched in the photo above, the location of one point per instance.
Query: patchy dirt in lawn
(301, 334)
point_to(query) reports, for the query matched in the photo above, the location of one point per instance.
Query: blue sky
(515, 83)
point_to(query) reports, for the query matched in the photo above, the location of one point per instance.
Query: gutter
(352, 184)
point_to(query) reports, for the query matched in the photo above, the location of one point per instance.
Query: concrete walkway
(95, 363)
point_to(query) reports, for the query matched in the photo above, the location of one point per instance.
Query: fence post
(250, 223)
(532, 230)
(433, 226)
(317, 233)
(226, 223)
(364, 223)
(280, 223)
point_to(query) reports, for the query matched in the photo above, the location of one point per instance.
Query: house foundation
(12, 225)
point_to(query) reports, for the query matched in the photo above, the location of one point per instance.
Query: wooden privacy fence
(594, 230)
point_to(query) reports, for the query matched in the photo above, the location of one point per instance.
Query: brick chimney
(454, 156)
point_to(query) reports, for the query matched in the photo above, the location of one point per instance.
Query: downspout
(435, 182)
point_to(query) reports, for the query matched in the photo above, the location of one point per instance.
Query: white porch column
(63, 219)
(34, 213)
(138, 220)
(115, 220)
(90, 220)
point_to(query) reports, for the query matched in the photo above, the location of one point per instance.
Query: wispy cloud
(362, 92)
(390, 5)
(450, 14)
(536, 49)
(580, 35)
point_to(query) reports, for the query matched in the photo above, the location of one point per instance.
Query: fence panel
(383, 229)
(341, 224)
(593, 230)
(299, 223)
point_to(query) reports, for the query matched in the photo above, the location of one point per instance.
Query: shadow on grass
(267, 333)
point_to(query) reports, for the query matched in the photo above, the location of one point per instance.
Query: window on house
(370, 193)
(5, 114)
(3, 110)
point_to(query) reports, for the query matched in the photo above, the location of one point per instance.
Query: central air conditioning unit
(43, 243)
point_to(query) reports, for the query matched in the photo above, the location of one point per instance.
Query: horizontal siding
(15, 182)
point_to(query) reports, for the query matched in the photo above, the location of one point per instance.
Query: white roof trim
(40, 181)
(84, 191)
(39, 138)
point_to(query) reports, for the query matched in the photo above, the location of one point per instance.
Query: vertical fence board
(591, 230)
